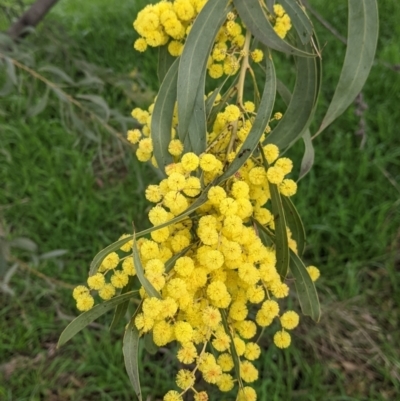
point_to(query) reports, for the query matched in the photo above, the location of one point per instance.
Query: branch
(30, 18)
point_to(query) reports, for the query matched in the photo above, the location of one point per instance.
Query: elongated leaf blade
(235, 356)
(197, 125)
(305, 288)
(302, 104)
(309, 154)
(255, 19)
(360, 53)
(194, 58)
(121, 309)
(165, 60)
(171, 261)
(281, 237)
(295, 224)
(130, 349)
(161, 120)
(260, 123)
(148, 287)
(149, 344)
(88, 317)
(300, 20)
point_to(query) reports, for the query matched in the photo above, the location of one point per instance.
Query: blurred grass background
(65, 193)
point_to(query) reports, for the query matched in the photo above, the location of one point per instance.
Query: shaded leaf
(260, 122)
(161, 120)
(10, 70)
(149, 344)
(360, 53)
(300, 111)
(98, 101)
(295, 224)
(130, 349)
(255, 19)
(58, 72)
(121, 309)
(165, 61)
(39, 106)
(308, 158)
(88, 317)
(148, 287)
(24, 243)
(305, 288)
(194, 58)
(53, 254)
(281, 237)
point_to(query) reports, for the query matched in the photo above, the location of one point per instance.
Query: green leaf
(130, 349)
(305, 288)
(10, 71)
(148, 287)
(259, 125)
(302, 24)
(100, 102)
(161, 120)
(300, 111)
(266, 235)
(293, 220)
(39, 106)
(59, 73)
(270, 5)
(211, 99)
(255, 19)
(308, 157)
(281, 238)
(194, 58)
(360, 53)
(165, 60)
(88, 317)
(149, 344)
(198, 124)
(121, 309)
(235, 356)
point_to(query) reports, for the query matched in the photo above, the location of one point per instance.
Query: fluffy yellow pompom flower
(119, 279)
(176, 181)
(275, 175)
(79, 291)
(110, 262)
(258, 176)
(247, 394)
(185, 379)
(211, 317)
(172, 395)
(184, 266)
(288, 187)
(183, 332)
(187, 353)
(271, 152)
(85, 302)
(289, 320)
(175, 147)
(190, 161)
(225, 382)
(162, 333)
(134, 136)
(208, 162)
(140, 45)
(192, 186)
(313, 272)
(153, 193)
(175, 48)
(215, 71)
(232, 112)
(158, 215)
(216, 195)
(282, 339)
(107, 292)
(252, 352)
(96, 282)
(248, 372)
(257, 55)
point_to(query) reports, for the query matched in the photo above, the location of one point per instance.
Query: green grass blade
(255, 19)
(281, 237)
(121, 309)
(161, 120)
(235, 356)
(260, 122)
(165, 60)
(148, 287)
(295, 224)
(130, 349)
(88, 317)
(194, 58)
(302, 104)
(302, 24)
(308, 158)
(360, 53)
(305, 288)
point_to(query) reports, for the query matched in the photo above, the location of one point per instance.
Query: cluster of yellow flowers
(170, 23)
(222, 286)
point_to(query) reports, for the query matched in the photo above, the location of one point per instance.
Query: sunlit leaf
(165, 61)
(308, 157)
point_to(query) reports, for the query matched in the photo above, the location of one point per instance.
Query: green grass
(64, 194)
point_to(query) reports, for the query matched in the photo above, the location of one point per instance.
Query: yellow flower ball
(282, 339)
